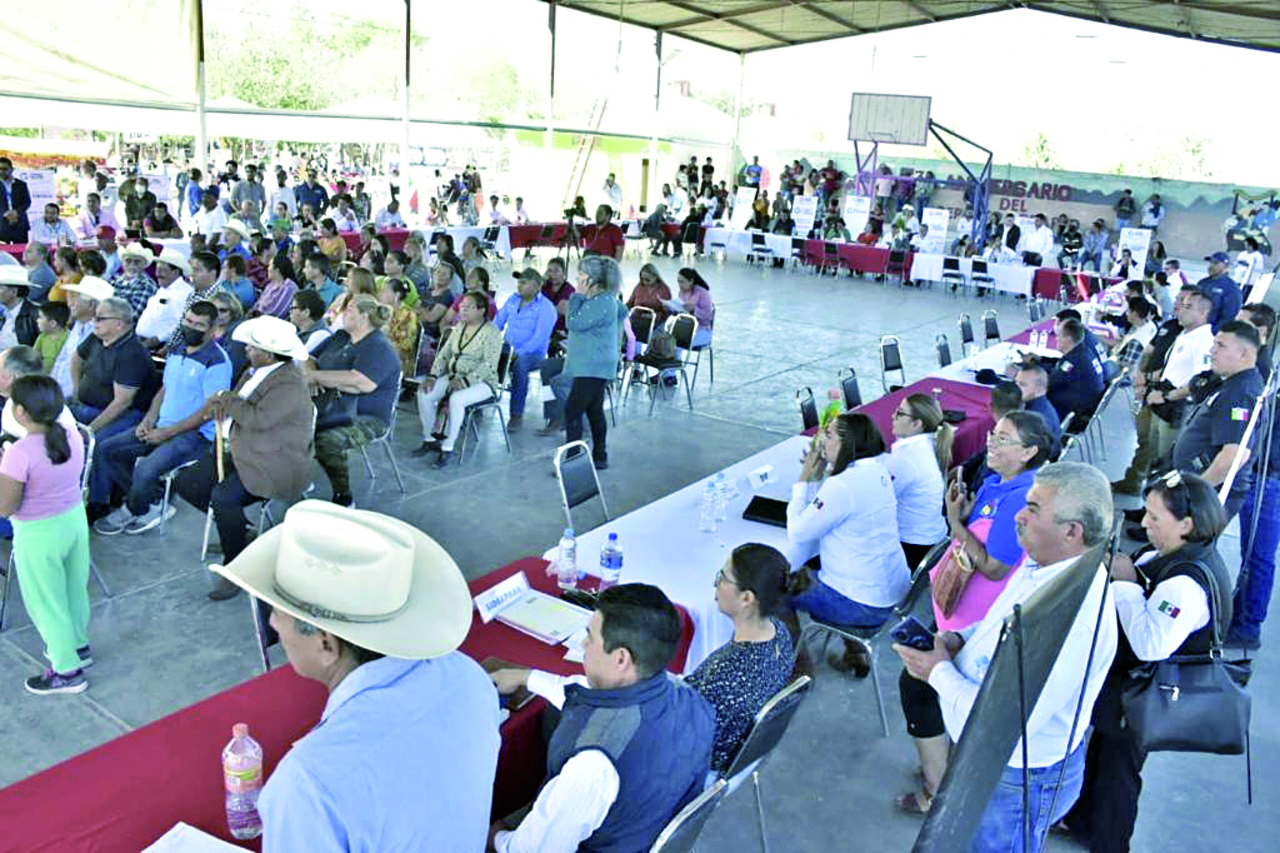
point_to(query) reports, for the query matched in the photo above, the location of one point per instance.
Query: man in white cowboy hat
(133, 284)
(82, 298)
(19, 315)
(268, 421)
(405, 752)
(163, 307)
(234, 235)
(633, 746)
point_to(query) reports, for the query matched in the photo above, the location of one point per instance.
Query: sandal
(914, 802)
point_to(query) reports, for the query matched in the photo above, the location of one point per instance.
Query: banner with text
(857, 209)
(936, 219)
(742, 201)
(804, 209)
(1138, 242)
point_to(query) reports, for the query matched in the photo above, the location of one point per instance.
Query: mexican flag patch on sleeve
(1169, 610)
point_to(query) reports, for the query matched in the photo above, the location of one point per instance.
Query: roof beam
(823, 13)
(1267, 13)
(1102, 11)
(923, 11)
(1184, 18)
(702, 16)
(732, 21)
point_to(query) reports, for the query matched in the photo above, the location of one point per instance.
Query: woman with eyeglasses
(984, 529)
(920, 455)
(1163, 603)
(844, 500)
(742, 675)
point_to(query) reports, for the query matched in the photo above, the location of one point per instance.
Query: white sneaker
(114, 522)
(151, 518)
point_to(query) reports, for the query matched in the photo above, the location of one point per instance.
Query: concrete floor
(161, 645)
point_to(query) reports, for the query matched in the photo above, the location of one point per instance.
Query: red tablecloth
(15, 249)
(527, 235)
(854, 256)
(1048, 284)
(395, 238)
(1024, 337)
(125, 794)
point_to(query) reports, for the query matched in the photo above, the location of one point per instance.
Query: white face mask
(140, 188)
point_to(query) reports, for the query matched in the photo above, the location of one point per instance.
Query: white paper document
(184, 838)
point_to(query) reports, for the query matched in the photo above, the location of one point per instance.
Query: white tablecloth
(459, 235)
(1013, 278)
(738, 243)
(662, 545)
(994, 357)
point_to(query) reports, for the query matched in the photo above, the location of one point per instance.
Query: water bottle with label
(722, 497)
(610, 562)
(567, 560)
(707, 510)
(242, 776)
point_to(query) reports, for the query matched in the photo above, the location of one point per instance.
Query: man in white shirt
(1038, 244)
(211, 218)
(164, 308)
(1068, 512)
(613, 193)
(1127, 351)
(389, 216)
(1250, 263)
(51, 229)
(93, 217)
(496, 216)
(633, 745)
(282, 194)
(522, 215)
(1188, 356)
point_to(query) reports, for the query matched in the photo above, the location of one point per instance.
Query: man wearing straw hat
(133, 284)
(234, 234)
(266, 435)
(82, 298)
(18, 313)
(405, 752)
(162, 308)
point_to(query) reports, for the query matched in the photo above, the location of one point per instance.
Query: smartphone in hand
(910, 632)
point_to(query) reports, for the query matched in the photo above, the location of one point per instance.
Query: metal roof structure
(746, 26)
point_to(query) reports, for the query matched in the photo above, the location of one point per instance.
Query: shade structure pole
(404, 141)
(202, 133)
(737, 113)
(653, 197)
(548, 136)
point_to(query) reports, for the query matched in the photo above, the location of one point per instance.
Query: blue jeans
(522, 364)
(1258, 558)
(115, 467)
(825, 604)
(127, 420)
(1095, 257)
(1000, 830)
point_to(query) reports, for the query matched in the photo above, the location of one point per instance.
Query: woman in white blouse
(844, 500)
(920, 455)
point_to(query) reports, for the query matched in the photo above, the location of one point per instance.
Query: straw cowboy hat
(237, 226)
(136, 250)
(271, 334)
(14, 276)
(175, 259)
(368, 578)
(93, 287)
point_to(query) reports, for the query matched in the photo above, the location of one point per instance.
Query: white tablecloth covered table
(662, 545)
(1012, 278)
(738, 243)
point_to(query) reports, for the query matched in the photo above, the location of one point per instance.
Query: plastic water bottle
(567, 560)
(722, 497)
(242, 776)
(610, 562)
(707, 512)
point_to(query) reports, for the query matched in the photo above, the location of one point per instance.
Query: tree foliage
(1038, 153)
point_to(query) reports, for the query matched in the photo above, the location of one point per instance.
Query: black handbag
(1190, 703)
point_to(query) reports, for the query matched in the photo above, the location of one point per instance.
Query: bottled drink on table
(567, 560)
(937, 396)
(707, 511)
(242, 776)
(722, 497)
(610, 562)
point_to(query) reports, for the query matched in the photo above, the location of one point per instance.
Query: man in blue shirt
(1033, 382)
(1076, 382)
(315, 270)
(312, 193)
(526, 320)
(175, 430)
(404, 754)
(1221, 290)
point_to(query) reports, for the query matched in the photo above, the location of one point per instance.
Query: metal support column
(202, 134)
(404, 141)
(548, 137)
(653, 197)
(737, 114)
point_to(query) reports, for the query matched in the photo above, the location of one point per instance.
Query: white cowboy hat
(93, 287)
(136, 250)
(13, 276)
(237, 226)
(174, 258)
(271, 334)
(370, 579)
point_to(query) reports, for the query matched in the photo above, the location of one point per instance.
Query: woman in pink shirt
(40, 493)
(695, 299)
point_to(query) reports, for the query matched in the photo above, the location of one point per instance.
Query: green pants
(332, 446)
(52, 558)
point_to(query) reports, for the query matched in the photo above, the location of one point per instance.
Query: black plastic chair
(990, 327)
(944, 350)
(951, 272)
(830, 258)
(897, 264)
(979, 275)
(681, 834)
(966, 334)
(770, 725)
(642, 323)
(682, 327)
(849, 386)
(798, 252)
(890, 360)
(808, 408)
(579, 483)
(489, 240)
(759, 247)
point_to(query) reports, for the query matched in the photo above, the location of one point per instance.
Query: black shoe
(600, 464)
(225, 590)
(86, 657)
(342, 498)
(425, 448)
(443, 459)
(552, 428)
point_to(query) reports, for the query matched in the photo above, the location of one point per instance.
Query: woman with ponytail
(740, 676)
(918, 460)
(40, 493)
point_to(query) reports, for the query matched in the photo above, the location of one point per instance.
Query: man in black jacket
(15, 199)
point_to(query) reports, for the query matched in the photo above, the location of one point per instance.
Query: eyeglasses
(898, 413)
(721, 577)
(98, 318)
(996, 440)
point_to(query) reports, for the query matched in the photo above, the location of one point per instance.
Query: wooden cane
(217, 448)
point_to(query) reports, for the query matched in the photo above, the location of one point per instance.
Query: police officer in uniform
(1215, 427)
(1221, 289)
(1076, 383)
(1163, 604)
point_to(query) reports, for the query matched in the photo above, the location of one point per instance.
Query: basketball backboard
(898, 119)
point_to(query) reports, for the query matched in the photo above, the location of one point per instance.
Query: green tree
(1039, 154)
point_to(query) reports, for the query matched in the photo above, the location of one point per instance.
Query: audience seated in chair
(176, 430)
(614, 786)
(356, 370)
(526, 321)
(112, 372)
(920, 456)
(1076, 383)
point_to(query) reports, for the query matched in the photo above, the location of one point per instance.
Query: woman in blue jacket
(594, 322)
